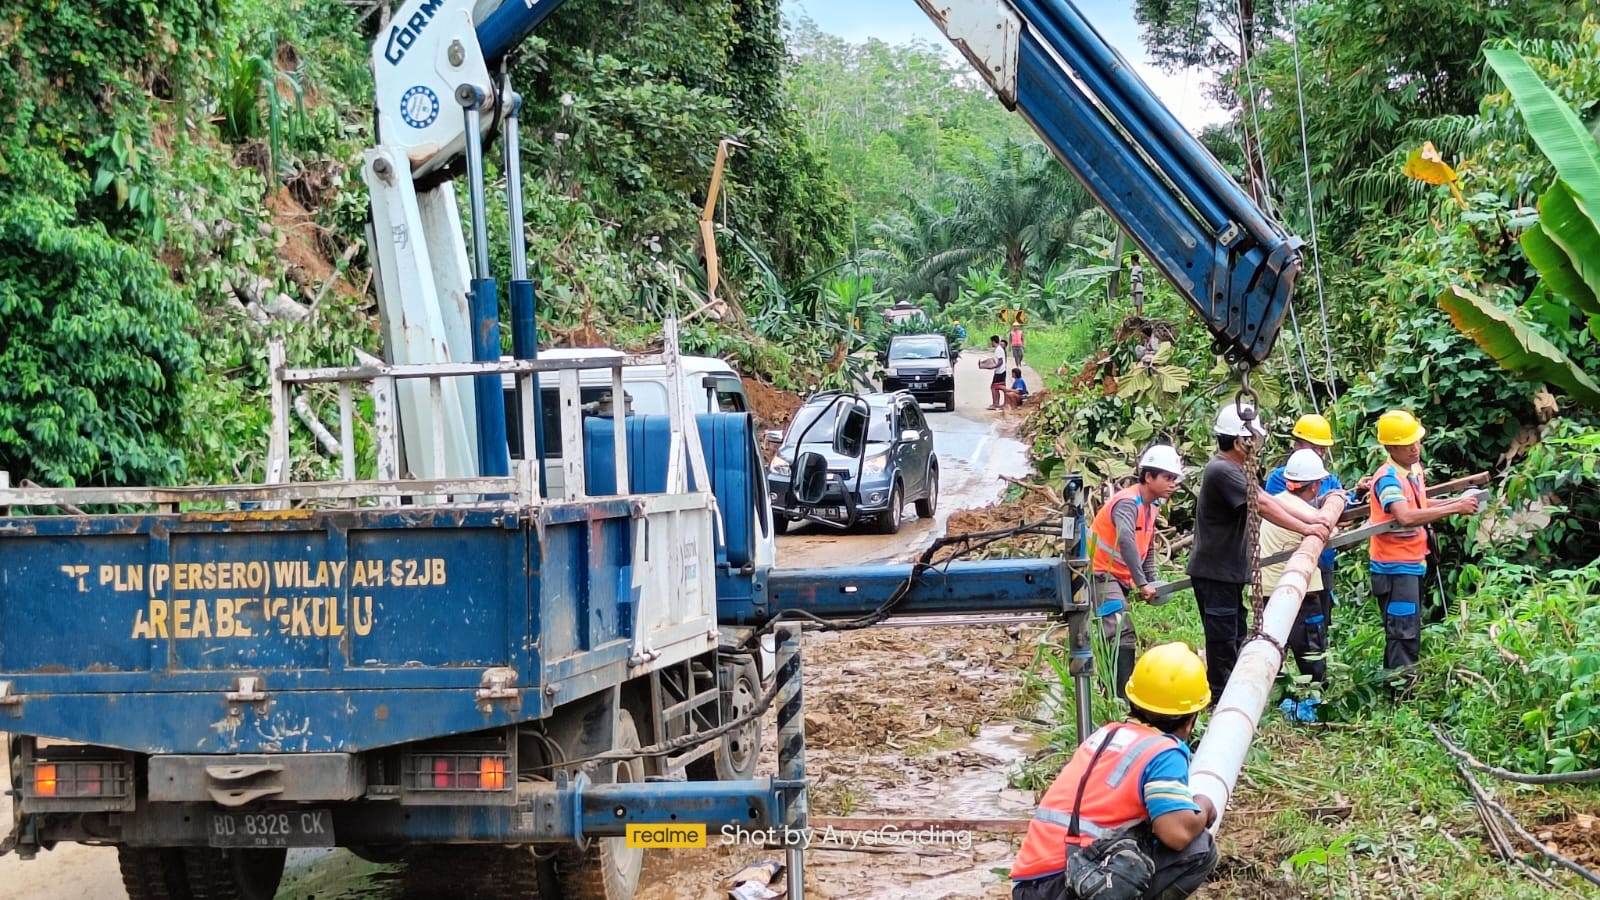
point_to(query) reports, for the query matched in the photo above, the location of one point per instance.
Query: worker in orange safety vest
(1123, 567)
(1121, 812)
(1399, 559)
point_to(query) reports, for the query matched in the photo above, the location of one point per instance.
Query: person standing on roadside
(997, 365)
(1220, 559)
(1302, 477)
(1399, 559)
(1016, 337)
(1120, 819)
(1123, 566)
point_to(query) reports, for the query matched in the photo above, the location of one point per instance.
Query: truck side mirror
(810, 478)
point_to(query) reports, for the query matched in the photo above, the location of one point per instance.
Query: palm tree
(1020, 208)
(919, 252)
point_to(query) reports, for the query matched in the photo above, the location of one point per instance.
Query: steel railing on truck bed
(388, 386)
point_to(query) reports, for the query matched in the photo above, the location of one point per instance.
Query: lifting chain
(1252, 489)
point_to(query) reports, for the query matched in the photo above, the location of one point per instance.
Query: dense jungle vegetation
(178, 181)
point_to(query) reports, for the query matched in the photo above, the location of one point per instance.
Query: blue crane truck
(460, 662)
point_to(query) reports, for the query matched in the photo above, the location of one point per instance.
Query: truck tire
(950, 402)
(153, 873)
(739, 750)
(230, 874)
(477, 871)
(606, 869)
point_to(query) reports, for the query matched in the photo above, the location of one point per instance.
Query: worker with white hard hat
(1122, 564)
(1219, 560)
(1303, 477)
(1313, 432)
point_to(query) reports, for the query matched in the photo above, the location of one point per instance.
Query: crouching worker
(1120, 822)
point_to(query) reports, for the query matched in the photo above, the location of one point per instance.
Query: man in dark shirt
(1219, 561)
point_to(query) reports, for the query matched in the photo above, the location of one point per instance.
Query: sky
(902, 21)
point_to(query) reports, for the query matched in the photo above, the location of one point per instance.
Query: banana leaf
(1554, 127)
(1565, 248)
(1515, 346)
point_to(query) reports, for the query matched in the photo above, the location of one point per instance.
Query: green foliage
(95, 350)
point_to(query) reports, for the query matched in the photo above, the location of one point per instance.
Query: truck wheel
(740, 749)
(229, 874)
(889, 519)
(950, 402)
(153, 873)
(927, 505)
(477, 871)
(606, 869)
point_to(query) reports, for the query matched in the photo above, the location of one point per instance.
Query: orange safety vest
(1106, 560)
(1410, 545)
(1112, 799)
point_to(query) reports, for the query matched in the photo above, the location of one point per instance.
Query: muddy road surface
(901, 722)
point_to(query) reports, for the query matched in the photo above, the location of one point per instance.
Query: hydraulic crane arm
(1233, 264)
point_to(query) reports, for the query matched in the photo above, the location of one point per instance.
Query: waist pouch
(1114, 867)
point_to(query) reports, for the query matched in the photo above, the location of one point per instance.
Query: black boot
(1124, 670)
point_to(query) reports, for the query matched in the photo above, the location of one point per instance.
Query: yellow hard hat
(1398, 428)
(1314, 429)
(1169, 680)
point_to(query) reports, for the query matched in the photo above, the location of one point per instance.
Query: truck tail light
(469, 770)
(44, 780)
(67, 779)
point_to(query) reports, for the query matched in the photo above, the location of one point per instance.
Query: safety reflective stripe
(1085, 827)
(1132, 756)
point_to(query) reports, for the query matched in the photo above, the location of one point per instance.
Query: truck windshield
(921, 347)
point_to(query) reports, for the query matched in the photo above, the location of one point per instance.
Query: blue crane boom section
(1234, 265)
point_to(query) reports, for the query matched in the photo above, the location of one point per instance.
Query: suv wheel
(927, 505)
(889, 519)
(950, 402)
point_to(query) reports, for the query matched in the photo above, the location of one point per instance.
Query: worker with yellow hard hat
(1399, 558)
(1125, 794)
(1308, 639)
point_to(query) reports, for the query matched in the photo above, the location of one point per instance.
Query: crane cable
(1252, 122)
(1311, 206)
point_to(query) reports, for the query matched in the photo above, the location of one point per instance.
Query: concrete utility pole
(1216, 765)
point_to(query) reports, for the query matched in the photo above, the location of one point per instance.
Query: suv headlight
(874, 465)
(945, 370)
(778, 466)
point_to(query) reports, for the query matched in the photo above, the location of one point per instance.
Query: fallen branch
(302, 408)
(1045, 489)
(1507, 655)
(1489, 803)
(344, 260)
(1474, 676)
(1583, 776)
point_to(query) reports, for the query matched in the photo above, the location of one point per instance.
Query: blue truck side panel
(363, 628)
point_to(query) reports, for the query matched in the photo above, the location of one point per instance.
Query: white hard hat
(1162, 458)
(1229, 422)
(1304, 466)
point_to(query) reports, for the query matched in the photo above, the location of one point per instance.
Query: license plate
(833, 512)
(280, 828)
(918, 385)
